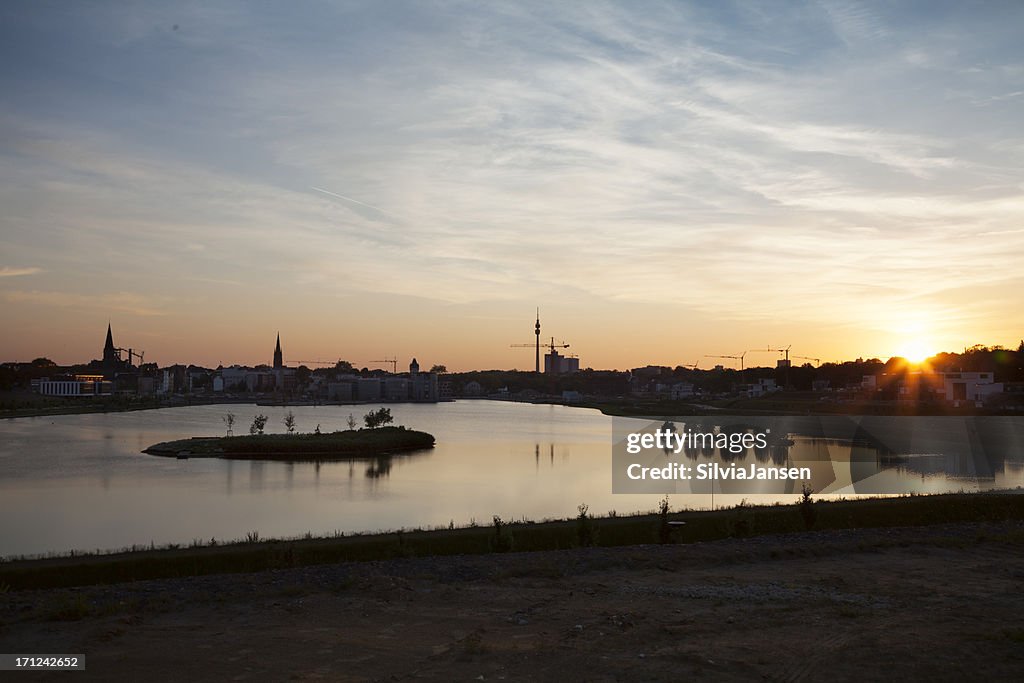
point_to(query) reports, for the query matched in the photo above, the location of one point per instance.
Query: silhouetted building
(557, 364)
(112, 363)
(284, 378)
(111, 355)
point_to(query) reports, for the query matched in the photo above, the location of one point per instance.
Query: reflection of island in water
(265, 474)
(380, 466)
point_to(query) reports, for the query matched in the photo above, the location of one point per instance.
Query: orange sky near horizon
(467, 340)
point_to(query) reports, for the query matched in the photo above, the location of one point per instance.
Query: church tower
(110, 356)
(278, 357)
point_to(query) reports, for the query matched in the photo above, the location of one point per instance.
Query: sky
(666, 181)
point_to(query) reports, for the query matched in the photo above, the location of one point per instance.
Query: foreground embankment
(938, 602)
(685, 527)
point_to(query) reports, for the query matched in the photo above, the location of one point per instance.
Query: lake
(81, 482)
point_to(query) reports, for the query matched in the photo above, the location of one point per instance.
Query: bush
(258, 423)
(378, 418)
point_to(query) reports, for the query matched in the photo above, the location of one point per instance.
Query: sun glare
(915, 351)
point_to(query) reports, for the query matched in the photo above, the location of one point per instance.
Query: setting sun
(915, 351)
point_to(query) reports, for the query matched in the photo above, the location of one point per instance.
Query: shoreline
(639, 410)
(682, 527)
(89, 410)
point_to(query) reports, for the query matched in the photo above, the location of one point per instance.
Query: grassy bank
(347, 444)
(742, 521)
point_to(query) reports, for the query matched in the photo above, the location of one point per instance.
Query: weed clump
(664, 531)
(807, 509)
(586, 532)
(501, 541)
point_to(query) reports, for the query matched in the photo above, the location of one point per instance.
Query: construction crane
(769, 350)
(314, 362)
(394, 363)
(551, 346)
(535, 345)
(739, 358)
(817, 361)
(140, 354)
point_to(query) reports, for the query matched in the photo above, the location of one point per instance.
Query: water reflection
(255, 475)
(79, 481)
(379, 467)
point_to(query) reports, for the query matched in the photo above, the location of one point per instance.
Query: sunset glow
(372, 180)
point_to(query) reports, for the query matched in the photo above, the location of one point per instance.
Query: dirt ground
(942, 603)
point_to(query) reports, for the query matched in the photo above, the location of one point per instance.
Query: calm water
(81, 482)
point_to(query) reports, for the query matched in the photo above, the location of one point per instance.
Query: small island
(342, 445)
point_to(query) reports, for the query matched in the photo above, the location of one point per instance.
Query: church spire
(278, 356)
(110, 356)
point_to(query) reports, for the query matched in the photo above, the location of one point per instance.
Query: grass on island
(346, 444)
(254, 554)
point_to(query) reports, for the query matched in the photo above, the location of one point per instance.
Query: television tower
(535, 345)
(537, 330)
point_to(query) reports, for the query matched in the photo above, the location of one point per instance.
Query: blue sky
(414, 178)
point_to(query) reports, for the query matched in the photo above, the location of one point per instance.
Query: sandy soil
(943, 602)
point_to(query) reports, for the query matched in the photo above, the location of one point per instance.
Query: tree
(439, 369)
(289, 422)
(343, 366)
(378, 418)
(258, 423)
(351, 421)
(229, 420)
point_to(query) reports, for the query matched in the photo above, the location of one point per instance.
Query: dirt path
(942, 602)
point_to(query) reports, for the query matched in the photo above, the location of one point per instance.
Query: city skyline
(753, 358)
(665, 181)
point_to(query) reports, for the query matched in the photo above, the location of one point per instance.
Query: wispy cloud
(813, 162)
(7, 271)
(121, 302)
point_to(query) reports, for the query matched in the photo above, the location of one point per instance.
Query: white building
(79, 385)
(682, 390)
(761, 387)
(969, 386)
